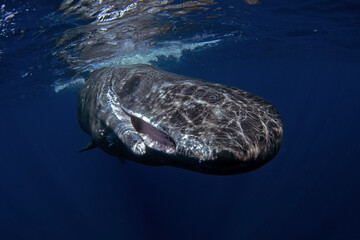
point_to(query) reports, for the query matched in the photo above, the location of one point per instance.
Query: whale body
(158, 118)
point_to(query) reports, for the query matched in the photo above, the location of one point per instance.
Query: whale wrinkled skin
(158, 118)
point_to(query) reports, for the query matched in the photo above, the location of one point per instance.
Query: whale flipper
(89, 146)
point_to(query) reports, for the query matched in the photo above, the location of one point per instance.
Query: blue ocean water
(303, 57)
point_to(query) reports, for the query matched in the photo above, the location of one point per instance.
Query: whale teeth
(139, 148)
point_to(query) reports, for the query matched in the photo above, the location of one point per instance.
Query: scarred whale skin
(154, 117)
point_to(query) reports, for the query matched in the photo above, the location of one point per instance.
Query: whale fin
(89, 146)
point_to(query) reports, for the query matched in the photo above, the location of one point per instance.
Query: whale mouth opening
(153, 137)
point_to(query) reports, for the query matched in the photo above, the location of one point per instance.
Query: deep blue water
(302, 57)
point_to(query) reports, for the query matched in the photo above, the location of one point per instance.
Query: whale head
(159, 118)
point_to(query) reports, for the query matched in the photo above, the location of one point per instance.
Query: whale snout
(214, 153)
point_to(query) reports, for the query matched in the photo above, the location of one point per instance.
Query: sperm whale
(155, 117)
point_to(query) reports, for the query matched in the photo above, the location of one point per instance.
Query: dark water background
(302, 57)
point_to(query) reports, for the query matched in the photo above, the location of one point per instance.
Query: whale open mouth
(153, 137)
